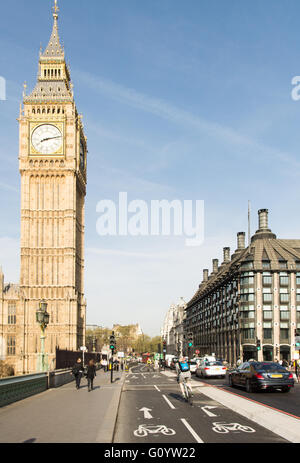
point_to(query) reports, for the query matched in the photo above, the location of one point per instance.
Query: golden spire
(55, 9)
(54, 48)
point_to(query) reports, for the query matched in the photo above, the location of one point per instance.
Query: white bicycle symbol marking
(145, 429)
(225, 428)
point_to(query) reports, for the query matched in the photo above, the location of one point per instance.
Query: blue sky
(181, 100)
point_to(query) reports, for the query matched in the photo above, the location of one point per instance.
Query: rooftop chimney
(205, 275)
(226, 255)
(263, 226)
(215, 265)
(241, 240)
(263, 219)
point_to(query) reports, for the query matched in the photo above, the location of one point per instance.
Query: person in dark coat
(90, 374)
(77, 371)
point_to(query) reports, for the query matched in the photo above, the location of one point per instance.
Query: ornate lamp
(43, 318)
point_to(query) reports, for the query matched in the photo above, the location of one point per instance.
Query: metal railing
(17, 388)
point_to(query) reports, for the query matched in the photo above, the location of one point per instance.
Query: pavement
(65, 414)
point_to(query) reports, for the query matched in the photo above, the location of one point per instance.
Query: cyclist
(183, 374)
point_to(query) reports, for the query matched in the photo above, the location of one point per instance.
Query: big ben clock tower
(52, 161)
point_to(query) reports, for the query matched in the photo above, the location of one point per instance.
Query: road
(152, 411)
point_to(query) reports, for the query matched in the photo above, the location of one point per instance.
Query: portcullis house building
(249, 306)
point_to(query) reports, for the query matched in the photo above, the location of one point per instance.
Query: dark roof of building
(263, 247)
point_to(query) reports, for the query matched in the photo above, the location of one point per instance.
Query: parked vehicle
(211, 368)
(197, 360)
(169, 358)
(261, 375)
(193, 366)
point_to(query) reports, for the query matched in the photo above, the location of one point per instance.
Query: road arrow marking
(147, 414)
(209, 407)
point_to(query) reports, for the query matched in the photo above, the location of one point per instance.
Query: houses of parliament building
(52, 163)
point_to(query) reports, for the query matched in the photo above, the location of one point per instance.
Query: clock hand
(50, 138)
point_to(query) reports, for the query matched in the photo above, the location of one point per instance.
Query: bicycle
(188, 395)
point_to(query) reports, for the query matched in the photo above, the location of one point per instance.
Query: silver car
(207, 369)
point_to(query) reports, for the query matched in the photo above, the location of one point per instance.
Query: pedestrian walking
(90, 374)
(77, 372)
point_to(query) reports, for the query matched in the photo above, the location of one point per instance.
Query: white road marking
(157, 388)
(147, 414)
(207, 408)
(168, 402)
(194, 434)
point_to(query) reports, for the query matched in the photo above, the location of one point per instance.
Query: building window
(247, 265)
(11, 319)
(284, 315)
(284, 297)
(267, 297)
(266, 264)
(246, 314)
(284, 281)
(248, 333)
(282, 264)
(267, 281)
(284, 334)
(11, 345)
(268, 315)
(267, 333)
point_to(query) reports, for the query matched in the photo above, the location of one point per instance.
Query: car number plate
(276, 376)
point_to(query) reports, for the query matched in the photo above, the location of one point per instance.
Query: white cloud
(180, 116)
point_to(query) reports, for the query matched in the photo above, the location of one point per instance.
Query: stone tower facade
(52, 162)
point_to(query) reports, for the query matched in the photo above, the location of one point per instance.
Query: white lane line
(157, 388)
(168, 402)
(194, 434)
(143, 376)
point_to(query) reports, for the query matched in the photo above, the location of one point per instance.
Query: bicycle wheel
(190, 397)
(185, 392)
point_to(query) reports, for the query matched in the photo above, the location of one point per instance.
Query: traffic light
(164, 346)
(258, 344)
(297, 338)
(112, 342)
(190, 340)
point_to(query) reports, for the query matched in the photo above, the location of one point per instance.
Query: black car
(261, 375)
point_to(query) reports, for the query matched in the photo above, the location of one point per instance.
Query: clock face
(47, 139)
(81, 155)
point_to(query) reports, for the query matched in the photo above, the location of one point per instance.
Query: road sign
(121, 355)
(83, 348)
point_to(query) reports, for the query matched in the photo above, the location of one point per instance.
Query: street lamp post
(42, 317)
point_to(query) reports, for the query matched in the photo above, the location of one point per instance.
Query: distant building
(92, 327)
(172, 330)
(252, 299)
(134, 330)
